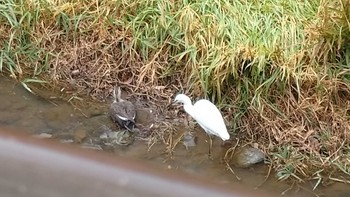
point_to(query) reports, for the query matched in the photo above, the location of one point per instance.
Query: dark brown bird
(121, 111)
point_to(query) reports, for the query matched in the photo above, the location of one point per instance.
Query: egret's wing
(208, 115)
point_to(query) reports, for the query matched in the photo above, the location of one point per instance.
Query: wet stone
(91, 145)
(189, 140)
(247, 156)
(32, 125)
(79, 135)
(95, 111)
(43, 135)
(142, 132)
(10, 118)
(123, 137)
(112, 138)
(145, 119)
(105, 131)
(144, 116)
(55, 116)
(66, 141)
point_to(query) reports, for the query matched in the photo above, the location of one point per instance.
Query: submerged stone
(66, 141)
(189, 140)
(79, 135)
(43, 135)
(144, 116)
(123, 137)
(89, 145)
(112, 138)
(247, 156)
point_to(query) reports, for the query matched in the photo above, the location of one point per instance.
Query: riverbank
(277, 70)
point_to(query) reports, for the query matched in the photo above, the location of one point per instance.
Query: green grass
(222, 39)
(278, 69)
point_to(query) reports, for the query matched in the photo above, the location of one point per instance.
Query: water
(81, 124)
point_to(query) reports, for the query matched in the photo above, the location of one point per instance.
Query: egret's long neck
(189, 109)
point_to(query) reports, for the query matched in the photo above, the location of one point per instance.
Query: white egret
(121, 111)
(208, 117)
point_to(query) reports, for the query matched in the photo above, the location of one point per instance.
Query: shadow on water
(54, 118)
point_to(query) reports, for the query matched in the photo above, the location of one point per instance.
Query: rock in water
(112, 138)
(189, 140)
(247, 156)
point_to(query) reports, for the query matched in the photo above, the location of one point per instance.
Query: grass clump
(279, 69)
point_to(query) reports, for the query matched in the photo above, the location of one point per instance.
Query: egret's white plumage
(207, 115)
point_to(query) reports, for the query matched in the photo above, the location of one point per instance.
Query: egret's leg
(210, 147)
(187, 121)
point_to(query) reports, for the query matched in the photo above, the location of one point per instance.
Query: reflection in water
(53, 118)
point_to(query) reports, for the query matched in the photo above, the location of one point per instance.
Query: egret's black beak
(176, 102)
(172, 103)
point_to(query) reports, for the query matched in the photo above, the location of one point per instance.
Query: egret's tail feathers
(225, 136)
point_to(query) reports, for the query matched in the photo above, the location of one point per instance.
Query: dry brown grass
(302, 136)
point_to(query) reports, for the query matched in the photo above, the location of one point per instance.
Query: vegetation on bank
(279, 69)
